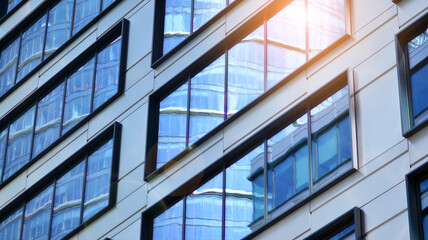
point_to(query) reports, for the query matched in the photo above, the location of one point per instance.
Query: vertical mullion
(93, 83)
(307, 29)
(308, 112)
(5, 152)
(52, 208)
(85, 174)
(23, 221)
(101, 6)
(63, 107)
(294, 164)
(338, 142)
(265, 179)
(223, 209)
(34, 129)
(73, 17)
(183, 231)
(188, 112)
(226, 81)
(18, 58)
(265, 56)
(192, 15)
(45, 35)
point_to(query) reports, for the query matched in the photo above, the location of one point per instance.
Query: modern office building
(213, 119)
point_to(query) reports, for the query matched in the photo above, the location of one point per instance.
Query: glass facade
(241, 75)
(11, 4)
(423, 188)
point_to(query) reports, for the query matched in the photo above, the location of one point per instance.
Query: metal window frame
(121, 29)
(113, 132)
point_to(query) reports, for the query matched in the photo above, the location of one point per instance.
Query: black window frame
(121, 29)
(17, 31)
(247, 146)
(403, 70)
(113, 132)
(4, 14)
(150, 169)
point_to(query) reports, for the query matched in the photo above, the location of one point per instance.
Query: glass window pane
(204, 10)
(59, 26)
(68, 198)
(246, 71)
(345, 143)
(19, 143)
(8, 61)
(207, 100)
(418, 49)
(419, 86)
(12, 4)
(78, 95)
(86, 10)
(169, 224)
(37, 216)
(107, 3)
(172, 125)
(3, 141)
(48, 120)
(424, 194)
(425, 227)
(97, 191)
(31, 48)
(326, 152)
(204, 210)
(326, 24)
(107, 76)
(245, 195)
(10, 228)
(177, 23)
(286, 43)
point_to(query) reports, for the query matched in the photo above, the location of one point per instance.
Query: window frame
(113, 132)
(150, 169)
(4, 14)
(121, 29)
(403, 70)
(247, 146)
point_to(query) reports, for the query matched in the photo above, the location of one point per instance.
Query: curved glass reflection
(204, 10)
(10, 228)
(8, 66)
(169, 224)
(177, 23)
(86, 10)
(37, 216)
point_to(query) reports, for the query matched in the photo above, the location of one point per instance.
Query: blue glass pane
(37, 216)
(8, 62)
(283, 181)
(246, 71)
(204, 10)
(325, 153)
(10, 228)
(169, 225)
(107, 3)
(11, 4)
(426, 227)
(419, 85)
(107, 76)
(97, 192)
(48, 120)
(418, 49)
(31, 48)
(172, 125)
(78, 95)
(302, 169)
(204, 210)
(424, 194)
(345, 143)
(177, 23)
(68, 199)
(86, 10)
(59, 26)
(207, 100)
(19, 143)
(3, 142)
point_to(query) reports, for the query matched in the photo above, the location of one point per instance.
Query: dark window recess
(8, 7)
(185, 113)
(283, 169)
(71, 196)
(412, 64)
(64, 103)
(49, 28)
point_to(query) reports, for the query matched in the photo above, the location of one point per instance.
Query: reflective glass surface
(177, 23)
(204, 210)
(10, 228)
(245, 71)
(286, 42)
(11, 4)
(19, 143)
(107, 76)
(207, 100)
(37, 216)
(98, 180)
(86, 10)
(107, 3)
(48, 119)
(78, 95)
(59, 26)
(31, 48)
(3, 142)
(172, 125)
(169, 224)
(8, 62)
(204, 10)
(67, 202)
(418, 49)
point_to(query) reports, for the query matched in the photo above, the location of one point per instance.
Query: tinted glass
(48, 120)
(31, 48)
(3, 142)
(67, 203)
(177, 23)
(425, 227)
(245, 194)
(246, 71)
(204, 10)
(19, 143)
(169, 225)
(10, 228)
(86, 10)
(419, 86)
(11, 4)
(107, 3)
(8, 61)
(172, 125)
(207, 100)
(107, 76)
(418, 49)
(286, 43)
(78, 95)
(424, 194)
(59, 26)
(97, 191)
(37, 216)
